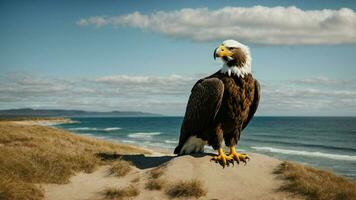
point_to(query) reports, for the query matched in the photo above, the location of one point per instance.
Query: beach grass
(12, 188)
(121, 193)
(31, 155)
(120, 168)
(186, 189)
(315, 184)
(155, 184)
(156, 172)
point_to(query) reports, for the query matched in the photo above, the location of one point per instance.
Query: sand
(252, 181)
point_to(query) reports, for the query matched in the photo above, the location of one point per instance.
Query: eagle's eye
(231, 48)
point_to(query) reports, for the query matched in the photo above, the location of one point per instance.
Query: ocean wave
(300, 144)
(112, 129)
(171, 141)
(307, 153)
(83, 129)
(128, 141)
(143, 134)
(95, 129)
(263, 136)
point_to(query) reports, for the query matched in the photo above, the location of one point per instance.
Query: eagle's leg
(222, 158)
(233, 155)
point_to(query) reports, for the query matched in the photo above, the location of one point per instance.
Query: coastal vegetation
(120, 193)
(189, 188)
(315, 184)
(120, 168)
(156, 172)
(33, 155)
(154, 181)
(155, 184)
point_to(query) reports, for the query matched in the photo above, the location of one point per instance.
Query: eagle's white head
(236, 57)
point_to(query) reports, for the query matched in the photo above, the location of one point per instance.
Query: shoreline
(49, 122)
(161, 145)
(155, 150)
(41, 121)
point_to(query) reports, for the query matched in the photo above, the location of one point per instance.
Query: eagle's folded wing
(254, 105)
(203, 105)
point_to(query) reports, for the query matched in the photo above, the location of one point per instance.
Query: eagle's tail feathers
(192, 145)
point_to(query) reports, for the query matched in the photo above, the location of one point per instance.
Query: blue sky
(127, 55)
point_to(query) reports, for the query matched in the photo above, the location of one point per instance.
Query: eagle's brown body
(219, 108)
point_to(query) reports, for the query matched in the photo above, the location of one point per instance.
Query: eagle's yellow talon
(222, 158)
(238, 156)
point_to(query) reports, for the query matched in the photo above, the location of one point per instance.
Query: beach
(50, 163)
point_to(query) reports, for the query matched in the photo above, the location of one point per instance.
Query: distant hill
(28, 112)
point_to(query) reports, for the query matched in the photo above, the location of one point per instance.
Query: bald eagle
(221, 106)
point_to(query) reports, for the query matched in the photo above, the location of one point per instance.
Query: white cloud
(309, 96)
(258, 24)
(98, 21)
(169, 94)
(143, 80)
(149, 85)
(323, 81)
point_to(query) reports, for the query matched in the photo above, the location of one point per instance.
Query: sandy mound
(252, 181)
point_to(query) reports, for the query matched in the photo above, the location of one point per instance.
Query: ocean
(323, 142)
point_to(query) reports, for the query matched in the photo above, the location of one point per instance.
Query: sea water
(323, 142)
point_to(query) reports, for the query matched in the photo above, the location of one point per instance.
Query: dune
(255, 180)
(67, 166)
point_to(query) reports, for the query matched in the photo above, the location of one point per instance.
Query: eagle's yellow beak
(221, 52)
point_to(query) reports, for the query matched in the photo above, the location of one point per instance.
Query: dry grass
(186, 189)
(156, 172)
(120, 193)
(37, 154)
(121, 168)
(18, 190)
(315, 184)
(155, 184)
